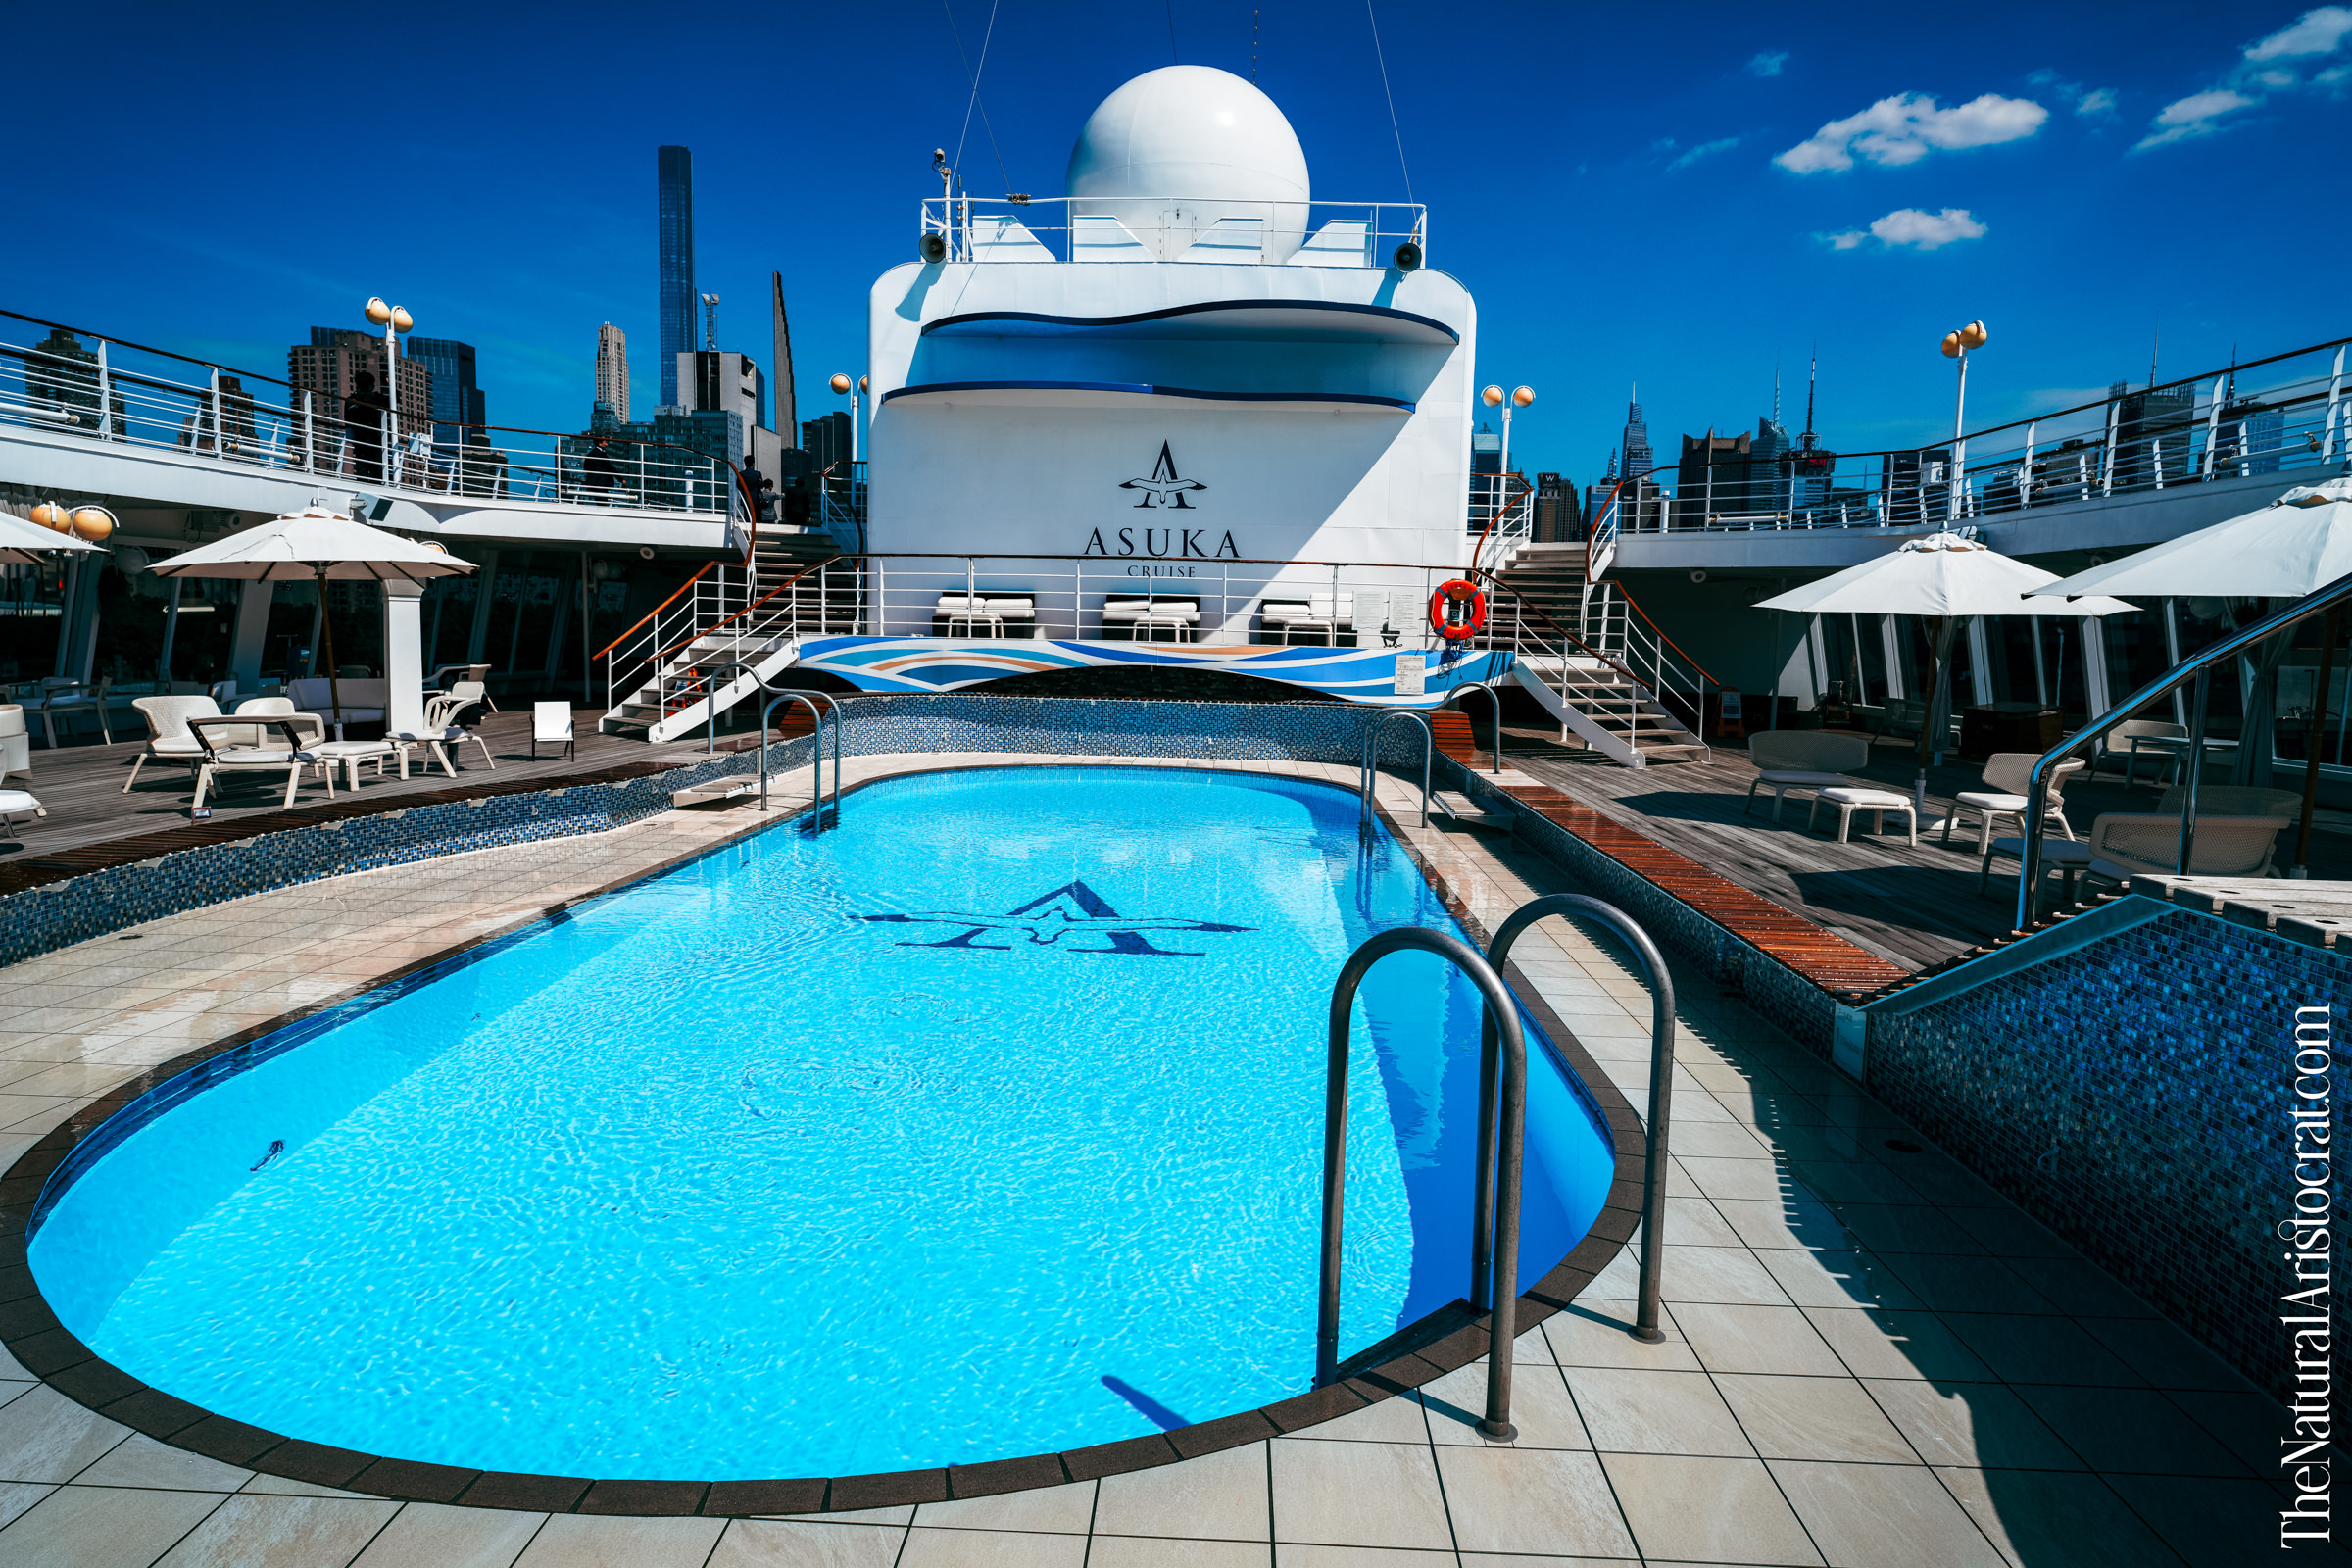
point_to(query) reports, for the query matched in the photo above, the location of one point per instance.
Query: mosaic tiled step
(39, 870)
(1822, 957)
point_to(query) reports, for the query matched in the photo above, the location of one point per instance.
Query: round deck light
(1973, 335)
(1491, 396)
(839, 383)
(402, 320)
(377, 311)
(49, 515)
(91, 524)
(1522, 396)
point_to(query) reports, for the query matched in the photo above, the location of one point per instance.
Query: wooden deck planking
(1916, 908)
(89, 815)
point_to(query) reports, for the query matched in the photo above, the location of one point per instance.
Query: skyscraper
(456, 401)
(325, 365)
(675, 167)
(786, 409)
(1638, 460)
(613, 370)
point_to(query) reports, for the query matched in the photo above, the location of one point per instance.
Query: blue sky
(1683, 196)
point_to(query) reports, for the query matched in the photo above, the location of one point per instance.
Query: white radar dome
(1190, 153)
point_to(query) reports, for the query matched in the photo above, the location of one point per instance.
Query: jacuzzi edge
(31, 1331)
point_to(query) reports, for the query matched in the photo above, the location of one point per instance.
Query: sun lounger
(168, 737)
(224, 754)
(1802, 759)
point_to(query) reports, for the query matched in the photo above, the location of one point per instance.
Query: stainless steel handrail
(1502, 1017)
(1496, 702)
(1647, 1321)
(1368, 760)
(816, 753)
(2195, 667)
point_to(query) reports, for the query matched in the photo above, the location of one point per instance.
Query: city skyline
(1880, 197)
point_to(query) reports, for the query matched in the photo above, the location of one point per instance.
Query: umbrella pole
(1938, 667)
(2330, 630)
(326, 625)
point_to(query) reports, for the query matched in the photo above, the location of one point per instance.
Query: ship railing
(77, 382)
(1033, 228)
(2284, 414)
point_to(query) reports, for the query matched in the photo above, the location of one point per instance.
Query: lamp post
(1956, 344)
(1520, 397)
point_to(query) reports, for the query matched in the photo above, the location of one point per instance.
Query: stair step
(1467, 812)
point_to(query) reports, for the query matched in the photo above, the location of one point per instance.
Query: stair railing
(1501, 1286)
(2326, 602)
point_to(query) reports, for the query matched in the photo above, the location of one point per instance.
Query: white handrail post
(213, 395)
(106, 404)
(2107, 451)
(2335, 397)
(2024, 470)
(2212, 425)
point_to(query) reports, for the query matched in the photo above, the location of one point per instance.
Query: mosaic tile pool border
(31, 1331)
(337, 842)
(2157, 1149)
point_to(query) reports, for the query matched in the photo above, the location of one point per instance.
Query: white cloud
(2197, 115)
(1705, 149)
(2091, 103)
(2319, 32)
(1767, 62)
(1909, 226)
(1899, 131)
(2314, 32)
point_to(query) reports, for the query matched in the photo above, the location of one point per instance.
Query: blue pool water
(987, 1122)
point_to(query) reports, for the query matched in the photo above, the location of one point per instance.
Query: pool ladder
(1501, 1133)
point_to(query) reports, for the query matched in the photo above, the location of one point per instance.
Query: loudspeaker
(1409, 257)
(934, 247)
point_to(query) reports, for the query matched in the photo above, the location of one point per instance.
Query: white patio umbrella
(2293, 547)
(22, 543)
(1945, 578)
(316, 545)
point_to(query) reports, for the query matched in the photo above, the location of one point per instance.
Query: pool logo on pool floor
(1075, 910)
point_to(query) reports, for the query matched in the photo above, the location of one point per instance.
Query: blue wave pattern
(945, 664)
(985, 1123)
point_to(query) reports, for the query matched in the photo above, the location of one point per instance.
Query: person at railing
(482, 467)
(365, 415)
(236, 420)
(599, 474)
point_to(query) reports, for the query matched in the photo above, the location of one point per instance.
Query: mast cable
(957, 34)
(1393, 127)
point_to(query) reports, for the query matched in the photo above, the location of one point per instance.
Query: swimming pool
(987, 1122)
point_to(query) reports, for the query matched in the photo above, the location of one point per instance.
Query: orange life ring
(1453, 592)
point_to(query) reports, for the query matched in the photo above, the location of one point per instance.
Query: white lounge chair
(550, 722)
(2123, 845)
(438, 734)
(14, 803)
(62, 698)
(2006, 778)
(1141, 614)
(16, 745)
(1318, 617)
(224, 753)
(260, 709)
(1802, 759)
(2130, 735)
(168, 737)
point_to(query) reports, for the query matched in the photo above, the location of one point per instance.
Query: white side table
(350, 754)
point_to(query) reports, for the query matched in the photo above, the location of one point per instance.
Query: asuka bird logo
(1164, 488)
(1063, 918)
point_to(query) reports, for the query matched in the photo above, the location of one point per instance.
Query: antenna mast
(711, 320)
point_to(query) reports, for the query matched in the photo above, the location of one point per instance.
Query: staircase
(1592, 659)
(667, 671)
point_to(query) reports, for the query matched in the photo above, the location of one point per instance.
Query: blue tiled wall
(2133, 1094)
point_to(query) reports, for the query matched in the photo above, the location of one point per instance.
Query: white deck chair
(15, 744)
(285, 755)
(1803, 759)
(2123, 845)
(168, 736)
(2005, 777)
(550, 722)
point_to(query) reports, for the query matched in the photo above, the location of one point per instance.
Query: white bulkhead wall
(1002, 473)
